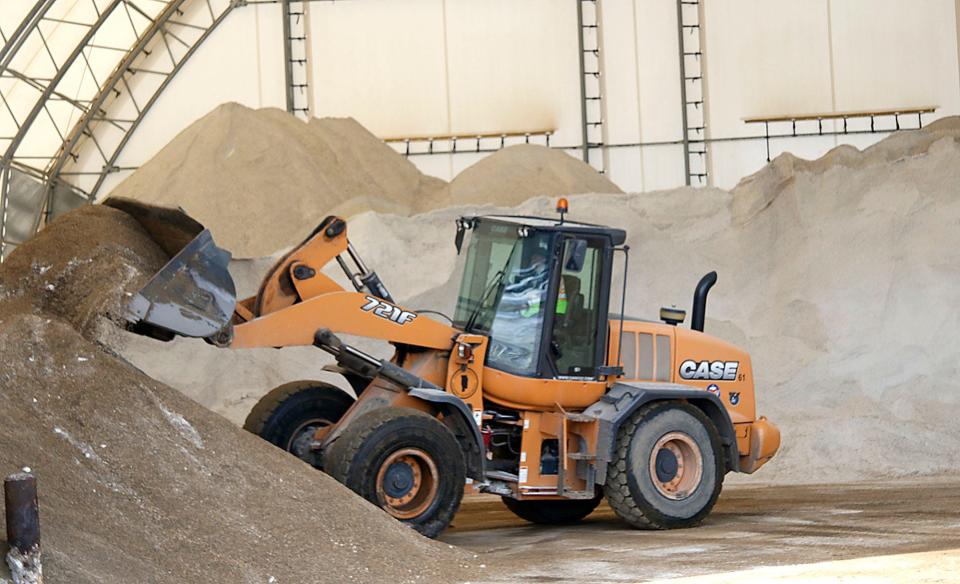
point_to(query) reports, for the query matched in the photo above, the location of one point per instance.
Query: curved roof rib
(72, 107)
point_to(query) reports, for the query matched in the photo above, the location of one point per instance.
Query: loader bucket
(194, 294)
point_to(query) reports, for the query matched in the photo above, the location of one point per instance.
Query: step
(502, 475)
(578, 494)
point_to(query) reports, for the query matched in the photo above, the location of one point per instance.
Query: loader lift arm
(193, 295)
(296, 298)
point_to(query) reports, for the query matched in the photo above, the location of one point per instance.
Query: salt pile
(517, 173)
(840, 277)
(260, 179)
(138, 483)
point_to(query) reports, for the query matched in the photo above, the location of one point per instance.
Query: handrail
(841, 115)
(470, 136)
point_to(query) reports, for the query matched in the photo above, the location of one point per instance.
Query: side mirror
(458, 240)
(463, 223)
(576, 254)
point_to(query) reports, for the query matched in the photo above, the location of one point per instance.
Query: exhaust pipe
(700, 300)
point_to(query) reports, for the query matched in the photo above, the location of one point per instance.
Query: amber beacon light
(562, 207)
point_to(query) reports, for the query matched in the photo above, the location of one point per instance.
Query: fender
(459, 418)
(623, 399)
(456, 416)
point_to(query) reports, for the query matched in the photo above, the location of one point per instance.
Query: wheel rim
(676, 466)
(407, 483)
(302, 438)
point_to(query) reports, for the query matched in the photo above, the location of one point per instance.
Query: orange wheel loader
(534, 389)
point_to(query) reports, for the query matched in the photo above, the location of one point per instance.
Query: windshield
(503, 293)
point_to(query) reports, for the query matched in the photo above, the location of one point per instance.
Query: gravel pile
(139, 483)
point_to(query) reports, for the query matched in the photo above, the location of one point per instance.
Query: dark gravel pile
(138, 483)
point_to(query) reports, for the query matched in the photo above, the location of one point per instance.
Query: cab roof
(617, 236)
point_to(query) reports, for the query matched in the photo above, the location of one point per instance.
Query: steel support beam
(145, 108)
(16, 40)
(97, 129)
(584, 128)
(49, 88)
(683, 95)
(287, 54)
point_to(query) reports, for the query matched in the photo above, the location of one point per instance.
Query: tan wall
(643, 96)
(445, 67)
(775, 57)
(422, 67)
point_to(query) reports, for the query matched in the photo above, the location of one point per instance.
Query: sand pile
(759, 189)
(517, 173)
(141, 484)
(842, 282)
(261, 179)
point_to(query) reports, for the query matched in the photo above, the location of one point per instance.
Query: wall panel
(430, 67)
(765, 57)
(889, 54)
(381, 62)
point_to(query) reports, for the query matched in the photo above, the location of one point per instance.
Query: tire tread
(617, 488)
(340, 463)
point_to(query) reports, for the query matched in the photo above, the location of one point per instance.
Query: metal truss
(83, 99)
(592, 105)
(296, 50)
(693, 93)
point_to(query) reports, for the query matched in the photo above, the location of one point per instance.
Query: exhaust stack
(700, 300)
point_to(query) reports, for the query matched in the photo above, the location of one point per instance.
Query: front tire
(668, 468)
(553, 512)
(404, 461)
(289, 416)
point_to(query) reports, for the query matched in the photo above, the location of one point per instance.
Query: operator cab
(539, 289)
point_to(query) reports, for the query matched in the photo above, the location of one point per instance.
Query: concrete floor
(939, 567)
(750, 527)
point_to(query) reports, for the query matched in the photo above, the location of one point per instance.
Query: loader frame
(561, 430)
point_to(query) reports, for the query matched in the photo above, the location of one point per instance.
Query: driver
(529, 286)
(518, 321)
(529, 289)
(519, 318)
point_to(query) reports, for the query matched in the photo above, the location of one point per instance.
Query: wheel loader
(533, 389)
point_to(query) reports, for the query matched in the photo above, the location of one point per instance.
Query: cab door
(574, 333)
(577, 334)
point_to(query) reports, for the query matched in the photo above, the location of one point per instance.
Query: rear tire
(290, 415)
(404, 461)
(553, 512)
(668, 468)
